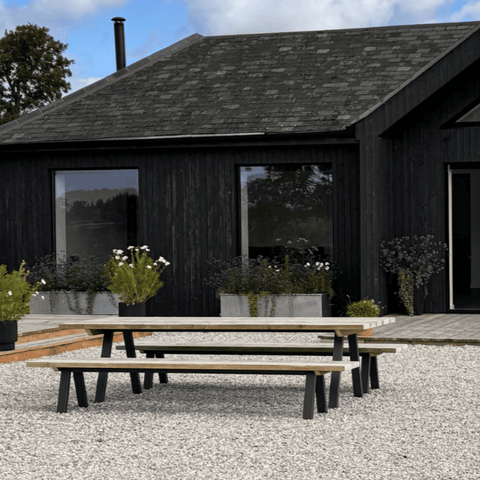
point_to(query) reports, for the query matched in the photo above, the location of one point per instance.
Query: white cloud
(78, 83)
(470, 11)
(73, 8)
(254, 16)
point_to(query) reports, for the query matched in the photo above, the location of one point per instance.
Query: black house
(218, 146)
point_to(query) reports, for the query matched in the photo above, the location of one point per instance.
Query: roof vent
(119, 42)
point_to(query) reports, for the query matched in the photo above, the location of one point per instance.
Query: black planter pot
(135, 310)
(8, 335)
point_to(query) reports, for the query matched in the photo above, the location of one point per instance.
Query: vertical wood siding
(188, 210)
(403, 177)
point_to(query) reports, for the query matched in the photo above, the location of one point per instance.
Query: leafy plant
(86, 276)
(242, 276)
(364, 308)
(136, 277)
(414, 260)
(15, 293)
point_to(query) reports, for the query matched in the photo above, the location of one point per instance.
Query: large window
(286, 206)
(95, 211)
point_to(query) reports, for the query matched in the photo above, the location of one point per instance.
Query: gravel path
(424, 423)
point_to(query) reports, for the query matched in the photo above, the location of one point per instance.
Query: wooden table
(342, 327)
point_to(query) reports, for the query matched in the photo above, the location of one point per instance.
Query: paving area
(460, 329)
(40, 335)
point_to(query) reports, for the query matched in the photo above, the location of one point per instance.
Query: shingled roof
(240, 84)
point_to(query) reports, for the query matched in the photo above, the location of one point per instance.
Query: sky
(86, 26)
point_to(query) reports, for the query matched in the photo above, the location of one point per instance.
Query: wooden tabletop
(341, 326)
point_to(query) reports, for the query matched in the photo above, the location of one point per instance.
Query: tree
(32, 70)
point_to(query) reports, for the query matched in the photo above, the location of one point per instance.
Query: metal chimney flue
(119, 31)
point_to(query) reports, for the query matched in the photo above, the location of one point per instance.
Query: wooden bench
(368, 352)
(78, 366)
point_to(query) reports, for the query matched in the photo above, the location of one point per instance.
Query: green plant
(86, 276)
(364, 308)
(259, 277)
(414, 260)
(15, 293)
(136, 277)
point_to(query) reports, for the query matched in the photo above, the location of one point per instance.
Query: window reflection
(95, 211)
(286, 206)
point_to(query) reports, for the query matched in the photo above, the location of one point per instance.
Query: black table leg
(103, 376)
(356, 373)
(322, 406)
(130, 349)
(336, 376)
(374, 373)
(366, 362)
(309, 400)
(80, 388)
(162, 376)
(64, 391)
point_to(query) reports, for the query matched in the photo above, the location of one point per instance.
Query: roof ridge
(383, 27)
(106, 81)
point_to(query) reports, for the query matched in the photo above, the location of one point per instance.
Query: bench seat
(77, 366)
(368, 352)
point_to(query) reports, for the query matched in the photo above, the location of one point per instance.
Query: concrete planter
(313, 305)
(74, 303)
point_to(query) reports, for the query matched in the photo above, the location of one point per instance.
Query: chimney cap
(118, 19)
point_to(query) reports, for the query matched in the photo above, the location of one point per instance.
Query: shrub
(364, 308)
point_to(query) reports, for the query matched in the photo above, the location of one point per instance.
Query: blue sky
(85, 25)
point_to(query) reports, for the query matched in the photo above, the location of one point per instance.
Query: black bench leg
(366, 364)
(103, 376)
(309, 400)
(64, 391)
(148, 378)
(130, 349)
(162, 376)
(80, 388)
(320, 393)
(356, 373)
(374, 373)
(336, 376)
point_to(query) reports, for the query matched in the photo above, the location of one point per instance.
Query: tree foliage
(32, 70)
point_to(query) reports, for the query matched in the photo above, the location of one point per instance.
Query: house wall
(403, 173)
(188, 206)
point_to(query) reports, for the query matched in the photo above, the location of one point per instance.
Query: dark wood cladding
(188, 204)
(403, 172)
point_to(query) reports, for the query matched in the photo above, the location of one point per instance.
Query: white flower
(145, 247)
(155, 264)
(307, 264)
(117, 257)
(114, 250)
(10, 292)
(43, 298)
(131, 248)
(125, 258)
(167, 263)
(131, 265)
(43, 281)
(148, 266)
(327, 268)
(120, 264)
(119, 252)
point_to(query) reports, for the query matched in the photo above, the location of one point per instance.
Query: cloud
(470, 11)
(219, 17)
(58, 13)
(73, 8)
(78, 83)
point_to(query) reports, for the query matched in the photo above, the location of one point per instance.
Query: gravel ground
(422, 424)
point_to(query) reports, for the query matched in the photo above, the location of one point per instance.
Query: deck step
(41, 344)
